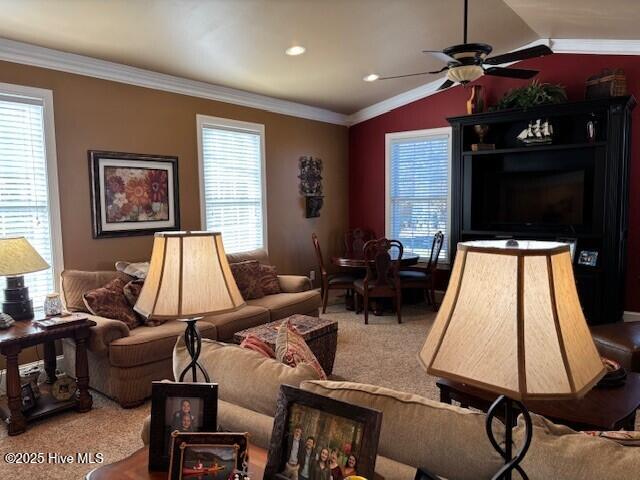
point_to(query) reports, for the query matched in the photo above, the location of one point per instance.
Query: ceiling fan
(469, 61)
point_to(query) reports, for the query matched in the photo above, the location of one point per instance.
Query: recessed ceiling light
(372, 77)
(295, 50)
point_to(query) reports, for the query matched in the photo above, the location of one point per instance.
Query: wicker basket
(607, 84)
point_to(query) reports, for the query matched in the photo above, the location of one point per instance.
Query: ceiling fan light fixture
(465, 73)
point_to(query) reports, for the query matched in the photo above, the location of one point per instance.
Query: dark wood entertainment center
(573, 188)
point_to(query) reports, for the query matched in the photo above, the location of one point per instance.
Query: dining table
(358, 263)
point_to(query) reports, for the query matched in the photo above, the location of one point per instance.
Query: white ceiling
(610, 19)
(241, 43)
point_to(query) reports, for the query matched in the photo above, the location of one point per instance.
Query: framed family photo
(318, 437)
(208, 455)
(179, 407)
(133, 194)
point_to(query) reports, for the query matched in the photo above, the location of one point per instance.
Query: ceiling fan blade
(407, 75)
(510, 72)
(443, 57)
(531, 52)
(447, 83)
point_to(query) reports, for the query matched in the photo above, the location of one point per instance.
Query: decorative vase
(475, 103)
(52, 305)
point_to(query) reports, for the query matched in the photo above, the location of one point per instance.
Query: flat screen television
(549, 200)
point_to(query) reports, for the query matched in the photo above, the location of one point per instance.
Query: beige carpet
(383, 353)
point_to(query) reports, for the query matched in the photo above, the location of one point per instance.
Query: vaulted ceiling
(241, 43)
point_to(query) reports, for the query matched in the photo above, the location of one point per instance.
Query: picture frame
(350, 432)
(179, 406)
(206, 453)
(588, 258)
(133, 194)
(27, 396)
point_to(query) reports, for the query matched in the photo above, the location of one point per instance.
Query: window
(29, 204)
(232, 192)
(417, 190)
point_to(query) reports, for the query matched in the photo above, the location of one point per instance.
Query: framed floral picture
(133, 194)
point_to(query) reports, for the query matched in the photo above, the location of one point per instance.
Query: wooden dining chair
(423, 277)
(330, 281)
(354, 241)
(381, 279)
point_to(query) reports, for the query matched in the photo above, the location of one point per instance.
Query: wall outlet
(312, 275)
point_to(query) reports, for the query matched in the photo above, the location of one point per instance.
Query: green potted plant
(531, 95)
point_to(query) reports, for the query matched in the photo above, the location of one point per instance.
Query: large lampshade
(511, 323)
(18, 257)
(189, 276)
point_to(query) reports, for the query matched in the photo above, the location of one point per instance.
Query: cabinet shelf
(545, 182)
(536, 148)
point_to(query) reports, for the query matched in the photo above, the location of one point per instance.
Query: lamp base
(17, 303)
(193, 342)
(511, 462)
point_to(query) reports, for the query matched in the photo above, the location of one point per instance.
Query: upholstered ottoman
(321, 335)
(620, 342)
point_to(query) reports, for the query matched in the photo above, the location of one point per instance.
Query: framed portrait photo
(318, 437)
(179, 407)
(208, 455)
(133, 194)
(588, 258)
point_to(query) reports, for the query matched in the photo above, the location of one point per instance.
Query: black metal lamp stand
(511, 462)
(193, 342)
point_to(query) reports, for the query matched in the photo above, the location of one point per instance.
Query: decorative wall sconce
(311, 185)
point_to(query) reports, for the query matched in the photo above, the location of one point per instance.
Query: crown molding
(28, 54)
(595, 46)
(396, 101)
(559, 45)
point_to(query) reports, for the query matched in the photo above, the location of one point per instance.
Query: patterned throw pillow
(291, 349)
(132, 291)
(247, 276)
(251, 342)
(269, 280)
(110, 302)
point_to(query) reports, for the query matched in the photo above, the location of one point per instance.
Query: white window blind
(24, 199)
(232, 182)
(418, 190)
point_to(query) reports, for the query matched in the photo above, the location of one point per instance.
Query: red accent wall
(366, 140)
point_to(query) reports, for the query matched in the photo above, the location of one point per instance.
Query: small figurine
(537, 133)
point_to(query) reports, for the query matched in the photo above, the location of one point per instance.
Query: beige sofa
(448, 441)
(123, 362)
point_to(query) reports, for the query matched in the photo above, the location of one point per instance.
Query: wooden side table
(23, 334)
(600, 409)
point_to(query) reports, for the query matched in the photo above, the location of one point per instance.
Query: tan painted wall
(103, 115)
(93, 114)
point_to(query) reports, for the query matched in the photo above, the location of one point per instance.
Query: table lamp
(189, 277)
(18, 257)
(511, 323)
